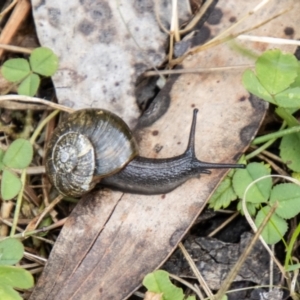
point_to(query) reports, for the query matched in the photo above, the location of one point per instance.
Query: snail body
(94, 145)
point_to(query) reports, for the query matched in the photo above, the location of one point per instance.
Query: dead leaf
(153, 296)
(214, 260)
(103, 46)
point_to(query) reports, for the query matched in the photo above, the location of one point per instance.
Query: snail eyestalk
(202, 164)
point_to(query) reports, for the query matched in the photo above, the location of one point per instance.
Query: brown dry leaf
(153, 296)
(112, 240)
(96, 41)
(214, 260)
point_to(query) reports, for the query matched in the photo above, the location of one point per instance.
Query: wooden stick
(14, 22)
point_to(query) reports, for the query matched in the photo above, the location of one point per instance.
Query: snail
(95, 144)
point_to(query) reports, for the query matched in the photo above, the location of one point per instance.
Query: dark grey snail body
(130, 173)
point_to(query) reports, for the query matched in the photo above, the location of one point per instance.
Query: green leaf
(287, 115)
(190, 298)
(276, 70)
(16, 277)
(291, 268)
(8, 293)
(43, 61)
(15, 69)
(288, 197)
(252, 84)
(11, 251)
(289, 151)
(19, 154)
(45, 223)
(275, 228)
(10, 185)
(251, 207)
(29, 85)
(296, 175)
(289, 98)
(296, 82)
(1, 159)
(159, 282)
(260, 191)
(223, 195)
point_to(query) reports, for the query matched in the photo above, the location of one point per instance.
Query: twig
(195, 270)
(19, 13)
(232, 274)
(36, 100)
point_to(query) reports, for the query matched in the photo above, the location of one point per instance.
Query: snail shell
(89, 145)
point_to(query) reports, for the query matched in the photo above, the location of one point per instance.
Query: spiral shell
(89, 145)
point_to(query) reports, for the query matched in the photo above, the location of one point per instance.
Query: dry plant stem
(170, 55)
(224, 224)
(173, 28)
(31, 170)
(8, 8)
(18, 15)
(197, 17)
(24, 234)
(271, 270)
(192, 23)
(195, 270)
(219, 40)
(20, 221)
(35, 258)
(6, 209)
(273, 165)
(197, 70)
(260, 149)
(36, 101)
(266, 39)
(156, 11)
(45, 189)
(8, 223)
(186, 283)
(294, 283)
(29, 266)
(20, 235)
(272, 156)
(232, 274)
(31, 197)
(36, 270)
(45, 212)
(247, 15)
(17, 49)
(23, 106)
